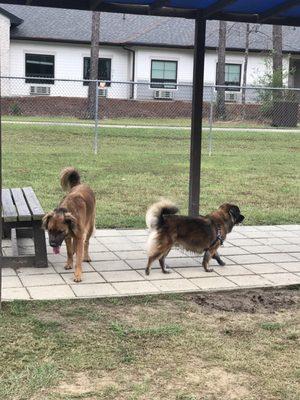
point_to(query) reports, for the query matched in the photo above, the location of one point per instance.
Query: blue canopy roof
(279, 12)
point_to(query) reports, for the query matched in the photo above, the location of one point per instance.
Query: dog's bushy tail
(154, 215)
(69, 177)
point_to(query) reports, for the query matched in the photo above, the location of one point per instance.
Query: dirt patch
(250, 301)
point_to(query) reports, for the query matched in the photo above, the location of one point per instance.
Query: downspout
(133, 69)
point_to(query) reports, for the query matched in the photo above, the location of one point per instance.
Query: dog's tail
(69, 177)
(154, 215)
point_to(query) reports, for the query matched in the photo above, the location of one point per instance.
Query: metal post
(211, 111)
(197, 103)
(1, 227)
(96, 118)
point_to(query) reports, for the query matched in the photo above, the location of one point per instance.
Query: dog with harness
(196, 234)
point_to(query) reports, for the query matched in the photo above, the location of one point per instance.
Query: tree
(95, 37)
(277, 55)
(220, 105)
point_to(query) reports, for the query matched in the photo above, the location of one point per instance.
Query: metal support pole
(96, 118)
(197, 103)
(1, 227)
(211, 111)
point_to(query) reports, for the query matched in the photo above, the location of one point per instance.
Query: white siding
(4, 51)
(68, 64)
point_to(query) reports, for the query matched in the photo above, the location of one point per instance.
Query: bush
(15, 109)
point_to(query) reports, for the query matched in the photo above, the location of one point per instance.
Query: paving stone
(182, 262)
(131, 288)
(175, 285)
(118, 265)
(11, 282)
(259, 249)
(42, 280)
(51, 292)
(8, 272)
(247, 259)
(232, 270)
(226, 260)
(215, 282)
(156, 274)
(297, 255)
(141, 264)
(278, 257)
(244, 242)
(60, 268)
(15, 294)
(56, 258)
(131, 255)
(290, 227)
(287, 248)
(114, 240)
(103, 256)
(268, 228)
(266, 268)
(286, 234)
(96, 248)
(293, 240)
(94, 290)
(235, 235)
(137, 239)
(271, 241)
(35, 271)
(194, 272)
(283, 279)
(125, 246)
(260, 235)
(122, 276)
(133, 232)
(251, 280)
(88, 277)
(290, 266)
(234, 250)
(107, 232)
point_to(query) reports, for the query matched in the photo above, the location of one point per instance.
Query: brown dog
(195, 234)
(73, 220)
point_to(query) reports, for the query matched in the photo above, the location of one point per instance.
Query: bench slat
(33, 204)
(23, 211)
(9, 212)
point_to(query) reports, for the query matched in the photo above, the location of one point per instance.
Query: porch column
(196, 127)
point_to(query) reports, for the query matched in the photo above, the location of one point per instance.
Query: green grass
(146, 348)
(258, 171)
(167, 122)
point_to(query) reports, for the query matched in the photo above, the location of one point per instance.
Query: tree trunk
(95, 37)
(220, 106)
(277, 70)
(245, 69)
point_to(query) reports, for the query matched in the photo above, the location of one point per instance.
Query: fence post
(96, 118)
(211, 111)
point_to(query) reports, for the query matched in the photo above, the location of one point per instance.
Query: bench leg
(39, 245)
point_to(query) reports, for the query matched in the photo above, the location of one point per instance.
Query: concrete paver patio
(255, 256)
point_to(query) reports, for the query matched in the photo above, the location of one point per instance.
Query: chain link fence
(132, 139)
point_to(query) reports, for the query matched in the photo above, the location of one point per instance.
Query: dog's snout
(52, 243)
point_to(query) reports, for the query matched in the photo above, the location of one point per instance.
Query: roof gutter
(133, 69)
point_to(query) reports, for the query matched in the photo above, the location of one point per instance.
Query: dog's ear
(46, 219)
(71, 221)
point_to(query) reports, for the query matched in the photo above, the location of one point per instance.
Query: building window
(39, 66)
(232, 75)
(163, 74)
(104, 69)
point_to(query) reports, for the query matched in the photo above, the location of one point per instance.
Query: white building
(55, 44)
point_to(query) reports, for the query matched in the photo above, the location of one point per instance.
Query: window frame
(165, 85)
(232, 88)
(100, 58)
(32, 79)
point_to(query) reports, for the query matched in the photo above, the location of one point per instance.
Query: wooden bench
(21, 211)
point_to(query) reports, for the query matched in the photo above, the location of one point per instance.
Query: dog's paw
(77, 278)
(222, 263)
(87, 259)
(209, 270)
(68, 266)
(167, 271)
(147, 271)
